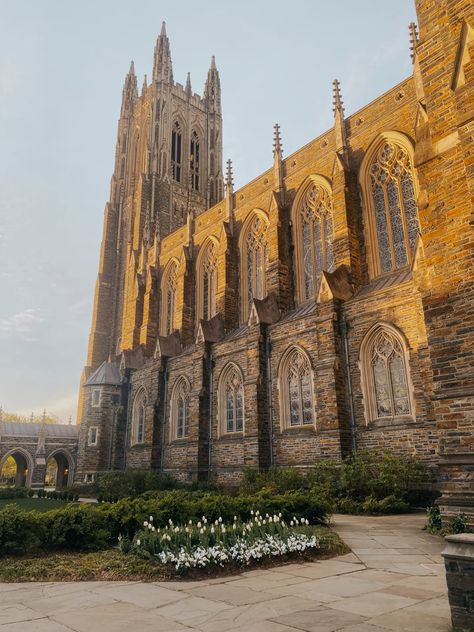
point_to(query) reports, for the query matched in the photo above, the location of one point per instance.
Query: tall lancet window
(317, 237)
(208, 272)
(176, 152)
(296, 389)
(385, 374)
(194, 161)
(180, 409)
(168, 294)
(137, 434)
(390, 191)
(231, 400)
(254, 255)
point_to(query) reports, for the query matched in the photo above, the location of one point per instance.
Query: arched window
(207, 280)
(168, 297)
(194, 161)
(296, 389)
(231, 400)
(312, 219)
(176, 152)
(254, 257)
(389, 189)
(180, 409)
(137, 434)
(385, 374)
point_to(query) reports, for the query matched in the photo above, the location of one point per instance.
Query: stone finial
(213, 63)
(144, 84)
(277, 147)
(162, 65)
(132, 68)
(336, 97)
(43, 419)
(229, 177)
(163, 29)
(188, 88)
(413, 39)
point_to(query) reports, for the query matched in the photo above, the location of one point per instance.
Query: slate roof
(17, 429)
(107, 373)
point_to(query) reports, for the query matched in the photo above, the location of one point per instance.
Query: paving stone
(319, 620)
(38, 625)
(144, 595)
(228, 593)
(120, 617)
(411, 621)
(193, 611)
(11, 613)
(372, 604)
(74, 601)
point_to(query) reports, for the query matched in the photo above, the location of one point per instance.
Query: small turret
(162, 65)
(212, 89)
(129, 92)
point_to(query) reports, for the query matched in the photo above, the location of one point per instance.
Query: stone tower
(168, 166)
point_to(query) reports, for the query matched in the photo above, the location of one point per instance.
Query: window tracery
(392, 195)
(138, 418)
(169, 292)
(297, 402)
(180, 409)
(231, 395)
(194, 158)
(385, 375)
(256, 260)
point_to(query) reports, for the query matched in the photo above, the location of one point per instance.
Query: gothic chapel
(326, 306)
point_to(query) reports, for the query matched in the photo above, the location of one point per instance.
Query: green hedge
(92, 526)
(7, 493)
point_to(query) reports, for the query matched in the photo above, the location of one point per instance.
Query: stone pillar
(459, 562)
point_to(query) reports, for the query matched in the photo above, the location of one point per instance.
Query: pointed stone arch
(230, 406)
(179, 409)
(138, 419)
(207, 278)
(24, 463)
(169, 293)
(296, 389)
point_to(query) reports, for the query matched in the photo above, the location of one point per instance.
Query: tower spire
(144, 84)
(413, 40)
(212, 89)
(339, 124)
(188, 89)
(162, 66)
(129, 92)
(277, 158)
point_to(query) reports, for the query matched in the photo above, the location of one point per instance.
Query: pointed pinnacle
(229, 179)
(145, 84)
(413, 39)
(277, 148)
(188, 88)
(336, 98)
(132, 68)
(213, 63)
(163, 29)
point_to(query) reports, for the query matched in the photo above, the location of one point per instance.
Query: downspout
(129, 413)
(344, 328)
(268, 353)
(163, 420)
(211, 401)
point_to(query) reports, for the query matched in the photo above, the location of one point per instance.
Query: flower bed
(204, 543)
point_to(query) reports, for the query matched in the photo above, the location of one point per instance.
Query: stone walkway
(393, 580)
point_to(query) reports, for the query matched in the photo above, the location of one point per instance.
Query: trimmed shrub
(20, 531)
(7, 493)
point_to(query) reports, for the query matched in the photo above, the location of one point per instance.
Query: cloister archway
(24, 466)
(59, 469)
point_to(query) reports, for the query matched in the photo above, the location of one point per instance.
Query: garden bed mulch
(113, 565)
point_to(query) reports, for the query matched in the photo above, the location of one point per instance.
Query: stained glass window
(138, 418)
(317, 237)
(396, 215)
(389, 375)
(256, 260)
(300, 392)
(234, 395)
(181, 409)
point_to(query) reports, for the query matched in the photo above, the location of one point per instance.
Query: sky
(62, 66)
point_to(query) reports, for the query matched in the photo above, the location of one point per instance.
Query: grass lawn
(28, 504)
(113, 565)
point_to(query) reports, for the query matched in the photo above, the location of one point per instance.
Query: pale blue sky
(62, 64)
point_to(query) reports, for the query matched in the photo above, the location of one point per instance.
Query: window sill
(301, 428)
(179, 441)
(390, 422)
(231, 436)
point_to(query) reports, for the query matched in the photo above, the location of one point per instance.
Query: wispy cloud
(23, 325)
(62, 407)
